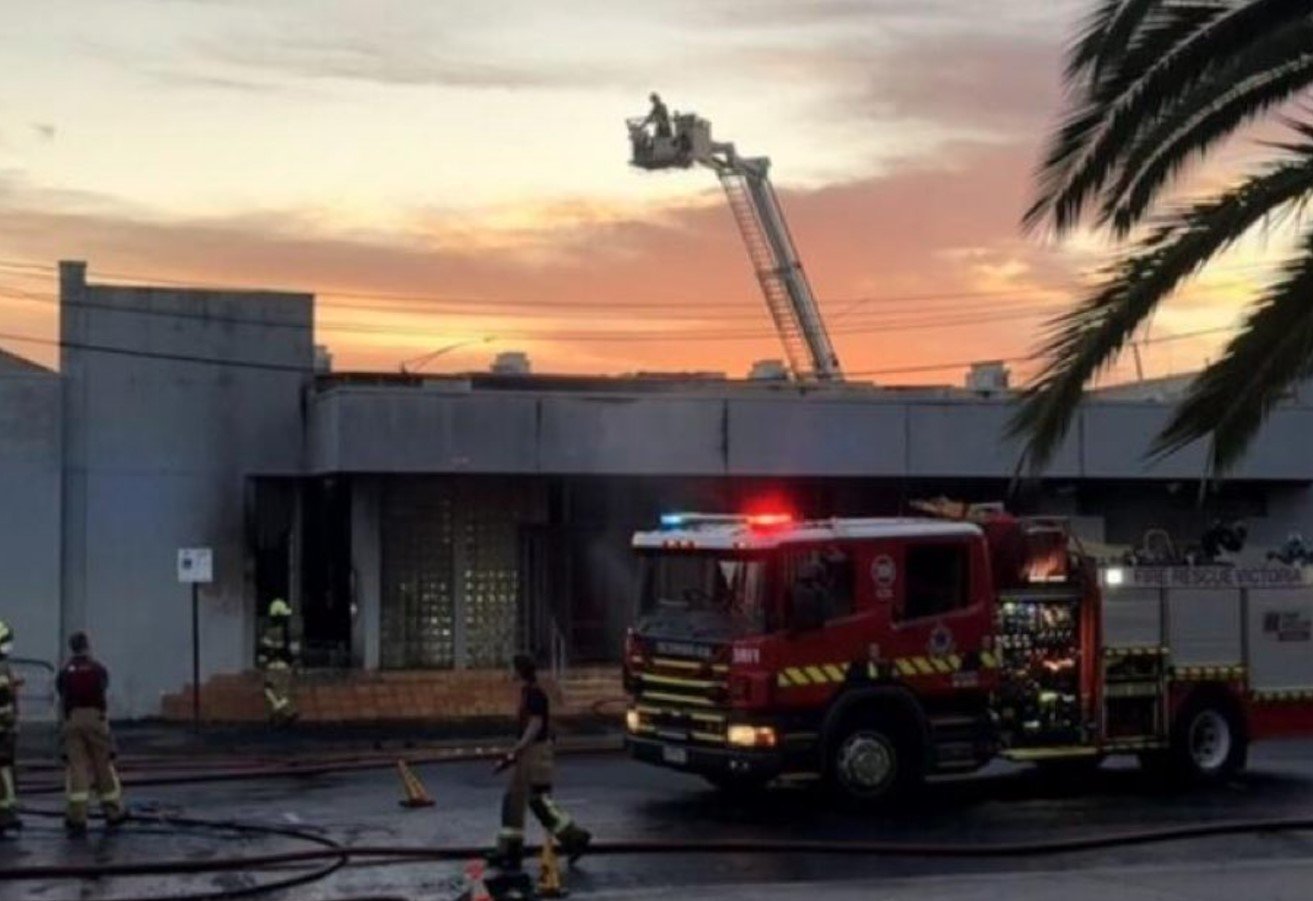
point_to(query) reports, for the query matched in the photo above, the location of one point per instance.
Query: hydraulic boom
(760, 219)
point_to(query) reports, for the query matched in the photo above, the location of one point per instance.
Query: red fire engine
(874, 652)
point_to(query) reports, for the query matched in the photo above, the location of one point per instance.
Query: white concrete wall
(413, 429)
(30, 509)
(158, 449)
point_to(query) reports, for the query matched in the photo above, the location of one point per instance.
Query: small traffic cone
(550, 884)
(475, 888)
(415, 795)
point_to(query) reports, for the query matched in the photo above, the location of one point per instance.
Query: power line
(944, 320)
(482, 304)
(157, 355)
(285, 367)
(1030, 358)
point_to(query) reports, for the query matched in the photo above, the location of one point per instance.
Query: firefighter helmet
(6, 639)
(280, 609)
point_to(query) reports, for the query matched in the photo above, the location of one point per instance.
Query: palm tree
(1155, 85)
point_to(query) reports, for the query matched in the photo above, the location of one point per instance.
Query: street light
(413, 365)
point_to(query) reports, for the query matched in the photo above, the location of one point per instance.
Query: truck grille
(681, 699)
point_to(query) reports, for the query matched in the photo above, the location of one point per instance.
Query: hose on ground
(339, 854)
(331, 857)
(293, 768)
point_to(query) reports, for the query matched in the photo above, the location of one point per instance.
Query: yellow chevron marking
(816, 674)
(987, 659)
(872, 672)
(923, 666)
(782, 679)
(1209, 672)
(1283, 695)
(798, 676)
(955, 661)
(941, 664)
(834, 672)
(905, 666)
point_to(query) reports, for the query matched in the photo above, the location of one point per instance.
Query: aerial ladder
(756, 209)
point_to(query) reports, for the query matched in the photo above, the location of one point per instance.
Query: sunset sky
(442, 172)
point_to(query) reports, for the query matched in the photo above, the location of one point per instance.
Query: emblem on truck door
(885, 572)
(941, 641)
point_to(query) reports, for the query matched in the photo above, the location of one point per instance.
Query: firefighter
(659, 117)
(88, 744)
(9, 684)
(530, 762)
(276, 657)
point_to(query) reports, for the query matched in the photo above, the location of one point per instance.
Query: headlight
(632, 720)
(744, 736)
(1114, 576)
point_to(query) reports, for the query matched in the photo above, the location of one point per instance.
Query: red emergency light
(769, 520)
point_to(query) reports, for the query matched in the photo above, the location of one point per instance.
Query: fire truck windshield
(704, 596)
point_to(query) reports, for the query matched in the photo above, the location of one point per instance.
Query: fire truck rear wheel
(871, 763)
(1208, 740)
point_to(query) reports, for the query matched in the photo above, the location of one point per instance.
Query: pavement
(1271, 880)
(621, 800)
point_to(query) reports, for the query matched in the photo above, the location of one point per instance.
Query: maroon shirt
(533, 702)
(83, 683)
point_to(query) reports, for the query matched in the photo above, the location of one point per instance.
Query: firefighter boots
(574, 841)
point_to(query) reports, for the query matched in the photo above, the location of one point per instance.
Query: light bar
(766, 520)
(672, 520)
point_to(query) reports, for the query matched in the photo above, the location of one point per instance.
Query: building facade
(438, 523)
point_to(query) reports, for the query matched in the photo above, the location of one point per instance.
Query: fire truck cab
(871, 653)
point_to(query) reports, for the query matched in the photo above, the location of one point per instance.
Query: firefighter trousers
(531, 786)
(8, 793)
(278, 692)
(89, 751)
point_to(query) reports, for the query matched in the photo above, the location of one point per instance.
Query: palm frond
(1105, 36)
(1215, 109)
(1179, 66)
(1231, 398)
(1092, 97)
(1079, 344)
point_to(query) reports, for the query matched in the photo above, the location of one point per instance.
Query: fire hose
(334, 855)
(229, 772)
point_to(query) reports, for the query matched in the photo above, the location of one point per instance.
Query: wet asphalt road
(618, 799)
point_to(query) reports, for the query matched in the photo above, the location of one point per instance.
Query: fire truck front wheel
(870, 762)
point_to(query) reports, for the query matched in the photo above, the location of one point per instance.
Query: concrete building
(425, 526)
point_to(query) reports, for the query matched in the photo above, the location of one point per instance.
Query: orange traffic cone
(475, 888)
(412, 788)
(550, 884)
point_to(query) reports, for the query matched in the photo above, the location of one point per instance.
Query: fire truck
(872, 653)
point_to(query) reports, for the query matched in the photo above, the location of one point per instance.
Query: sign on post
(195, 568)
(195, 565)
